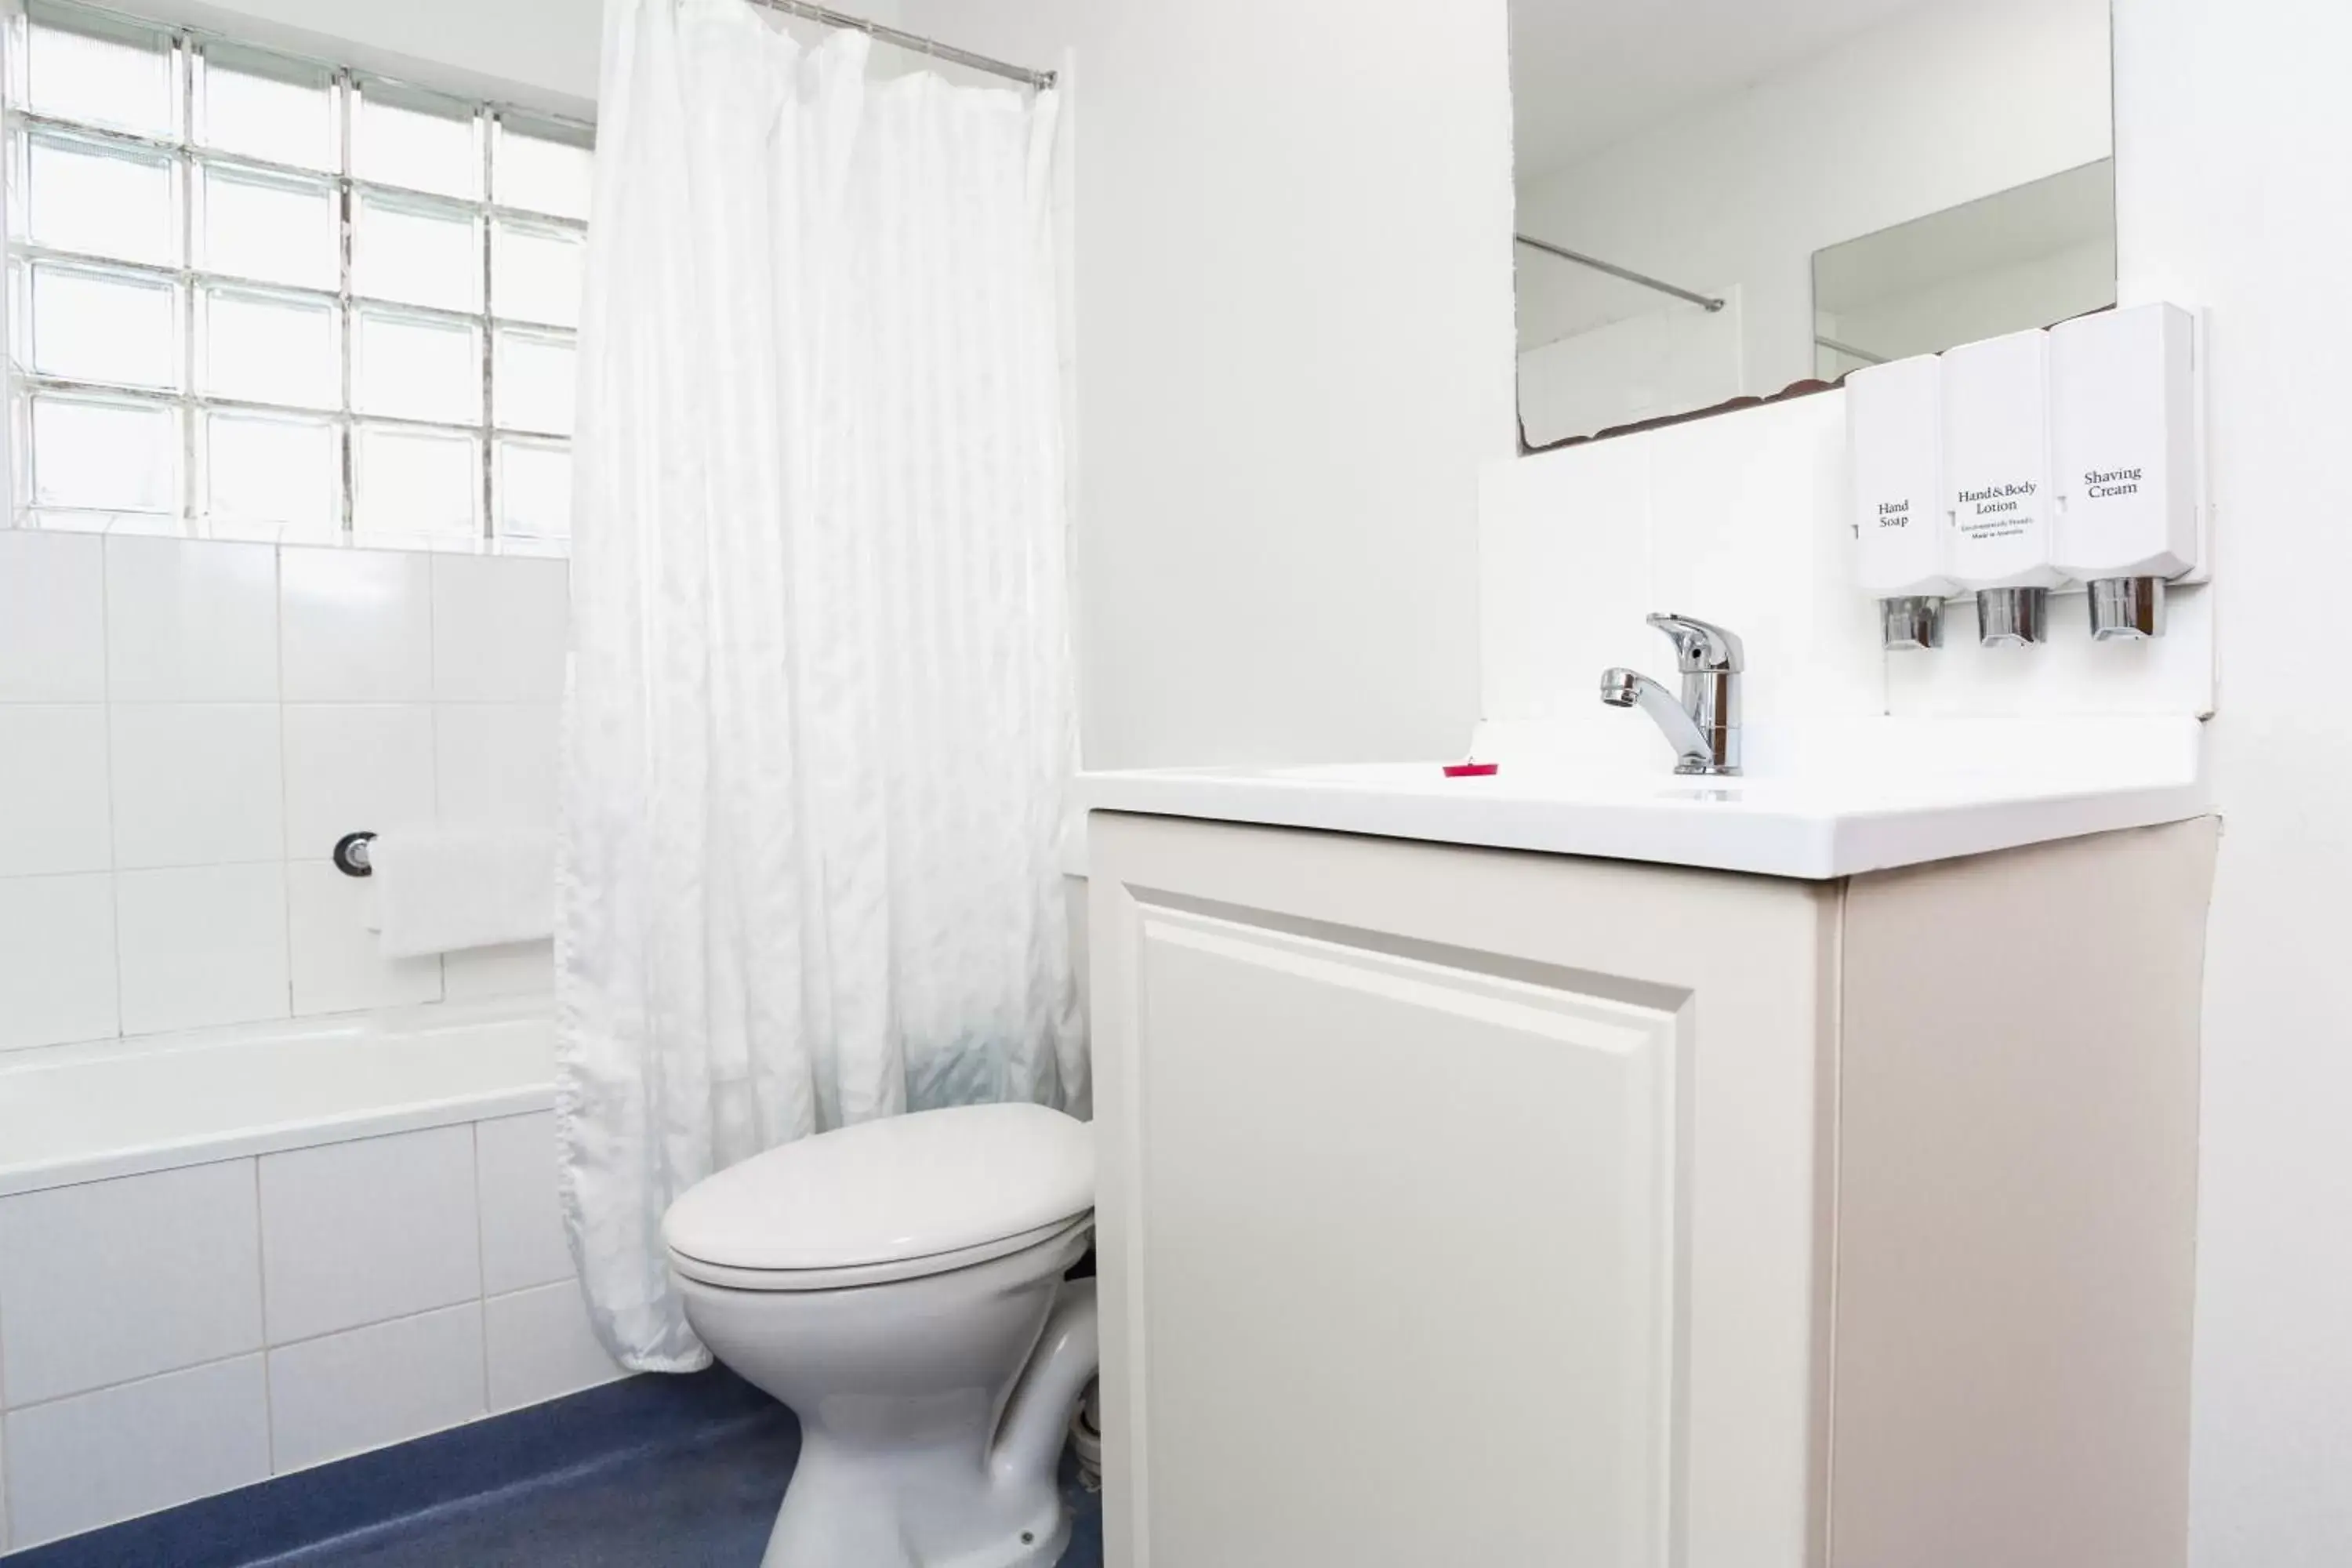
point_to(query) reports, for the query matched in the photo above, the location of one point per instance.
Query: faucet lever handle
(1701, 647)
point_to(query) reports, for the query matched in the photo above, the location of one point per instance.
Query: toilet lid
(901, 1187)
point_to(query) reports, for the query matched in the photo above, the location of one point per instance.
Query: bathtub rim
(266, 1136)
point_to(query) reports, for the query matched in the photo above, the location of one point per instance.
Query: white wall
(2230, 122)
(1942, 105)
(1294, 339)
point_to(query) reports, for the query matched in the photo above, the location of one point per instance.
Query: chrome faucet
(1703, 727)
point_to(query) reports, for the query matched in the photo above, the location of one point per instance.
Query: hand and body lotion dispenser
(1997, 482)
(1894, 434)
(2123, 418)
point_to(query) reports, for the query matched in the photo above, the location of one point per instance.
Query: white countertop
(1824, 804)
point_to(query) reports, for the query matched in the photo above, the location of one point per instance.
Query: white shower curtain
(820, 722)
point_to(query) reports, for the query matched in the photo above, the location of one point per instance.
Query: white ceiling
(1587, 73)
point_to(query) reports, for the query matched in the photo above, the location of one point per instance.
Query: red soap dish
(1472, 770)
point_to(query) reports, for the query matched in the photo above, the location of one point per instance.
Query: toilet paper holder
(352, 856)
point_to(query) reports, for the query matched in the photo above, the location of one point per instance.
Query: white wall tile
(496, 762)
(541, 1348)
(1739, 518)
(336, 965)
(202, 945)
(359, 1232)
(352, 768)
(56, 960)
(513, 969)
(52, 616)
(197, 784)
(107, 1282)
(190, 620)
(522, 1223)
(1749, 528)
(1563, 551)
(53, 795)
(79, 1463)
(357, 624)
(498, 629)
(370, 1387)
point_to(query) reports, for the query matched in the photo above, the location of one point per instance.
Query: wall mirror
(1718, 199)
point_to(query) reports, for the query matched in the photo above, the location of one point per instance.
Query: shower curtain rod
(1706, 300)
(915, 41)
(1865, 355)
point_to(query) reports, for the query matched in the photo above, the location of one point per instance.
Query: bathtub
(230, 1255)
(117, 1108)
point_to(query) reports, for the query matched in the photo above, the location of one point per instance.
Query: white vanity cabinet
(1473, 1205)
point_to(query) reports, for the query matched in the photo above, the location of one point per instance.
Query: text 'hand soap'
(1895, 435)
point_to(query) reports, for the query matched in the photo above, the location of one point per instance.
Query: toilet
(898, 1285)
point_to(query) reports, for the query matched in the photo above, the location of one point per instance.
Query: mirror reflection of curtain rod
(1865, 355)
(1706, 302)
(915, 41)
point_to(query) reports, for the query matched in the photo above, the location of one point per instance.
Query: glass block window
(252, 296)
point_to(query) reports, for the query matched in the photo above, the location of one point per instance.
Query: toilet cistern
(1704, 726)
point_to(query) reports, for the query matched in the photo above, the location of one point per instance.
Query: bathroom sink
(1822, 802)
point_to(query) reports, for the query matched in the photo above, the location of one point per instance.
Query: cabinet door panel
(1494, 1161)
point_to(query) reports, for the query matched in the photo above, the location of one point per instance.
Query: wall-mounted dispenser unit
(1997, 482)
(2123, 430)
(1894, 434)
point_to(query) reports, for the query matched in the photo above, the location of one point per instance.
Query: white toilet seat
(900, 1198)
(855, 1274)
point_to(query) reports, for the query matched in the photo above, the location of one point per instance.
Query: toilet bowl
(899, 1284)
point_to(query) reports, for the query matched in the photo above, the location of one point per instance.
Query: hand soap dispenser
(2122, 429)
(1997, 482)
(1895, 435)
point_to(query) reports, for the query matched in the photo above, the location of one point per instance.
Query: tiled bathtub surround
(187, 726)
(170, 1335)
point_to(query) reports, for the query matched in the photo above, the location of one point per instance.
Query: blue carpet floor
(649, 1472)
(706, 1505)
